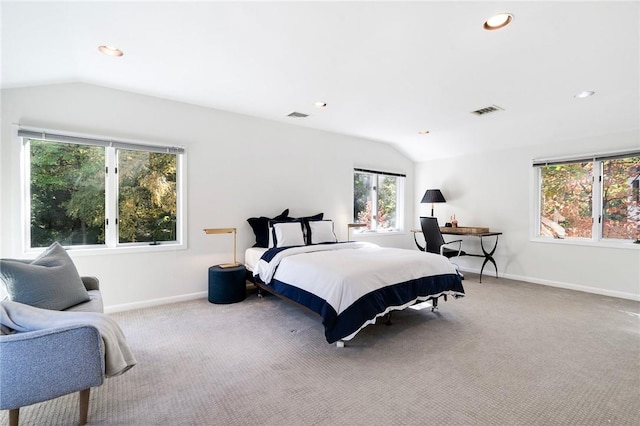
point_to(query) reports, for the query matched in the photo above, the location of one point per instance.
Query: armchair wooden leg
(84, 405)
(13, 417)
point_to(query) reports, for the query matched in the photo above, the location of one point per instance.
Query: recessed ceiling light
(584, 94)
(498, 21)
(110, 50)
(320, 104)
(423, 132)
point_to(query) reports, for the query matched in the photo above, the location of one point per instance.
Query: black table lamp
(433, 196)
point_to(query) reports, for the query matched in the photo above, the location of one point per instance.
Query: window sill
(377, 233)
(588, 243)
(101, 251)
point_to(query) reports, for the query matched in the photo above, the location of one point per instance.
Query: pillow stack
(285, 231)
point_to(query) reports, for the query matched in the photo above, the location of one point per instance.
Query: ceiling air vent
(487, 110)
(297, 115)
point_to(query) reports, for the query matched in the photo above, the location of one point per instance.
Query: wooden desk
(480, 233)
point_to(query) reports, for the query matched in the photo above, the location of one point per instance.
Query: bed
(352, 284)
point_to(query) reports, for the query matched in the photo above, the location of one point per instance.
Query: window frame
(400, 201)
(597, 194)
(111, 147)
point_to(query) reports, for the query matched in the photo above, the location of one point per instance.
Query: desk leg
(488, 256)
(418, 245)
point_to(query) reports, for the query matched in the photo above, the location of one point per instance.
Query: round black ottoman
(227, 285)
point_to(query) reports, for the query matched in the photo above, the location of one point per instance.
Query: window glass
(387, 202)
(83, 192)
(566, 200)
(147, 202)
(596, 198)
(378, 198)
(620, 198)
(67, 194)
(363, 185)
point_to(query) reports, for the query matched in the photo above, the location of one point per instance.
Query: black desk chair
(434, 241)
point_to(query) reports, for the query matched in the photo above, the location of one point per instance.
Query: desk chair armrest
(452, 242)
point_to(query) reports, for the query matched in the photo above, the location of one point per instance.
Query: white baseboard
(154, 302)
(568, 286)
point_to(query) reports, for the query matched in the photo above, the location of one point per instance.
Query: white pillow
(321, 231)
(271, 244)
(288, 234)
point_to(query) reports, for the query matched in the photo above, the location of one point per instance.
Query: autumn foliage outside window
(378, 199)
(595, 199)
(567, 200)
(620, 198)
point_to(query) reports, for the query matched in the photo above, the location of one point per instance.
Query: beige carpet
(510, 353)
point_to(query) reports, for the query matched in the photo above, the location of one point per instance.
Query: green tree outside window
(68, 198)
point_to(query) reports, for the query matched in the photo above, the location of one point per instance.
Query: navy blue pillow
(318, 216)
(260, 226)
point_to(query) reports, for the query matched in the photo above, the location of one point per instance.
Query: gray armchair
(40, 365)
(45, 364)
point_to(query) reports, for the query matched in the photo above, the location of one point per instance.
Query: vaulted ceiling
(386, 70)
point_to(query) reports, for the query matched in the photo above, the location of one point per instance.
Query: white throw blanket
(23, 318)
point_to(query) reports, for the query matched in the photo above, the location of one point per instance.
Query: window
(593, 198)
(94, 193)
(378, 199)
(147, 196)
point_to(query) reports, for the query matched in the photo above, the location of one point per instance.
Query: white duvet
(343, 273)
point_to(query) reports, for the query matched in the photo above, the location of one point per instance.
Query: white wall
(496, 190)
(238, 167)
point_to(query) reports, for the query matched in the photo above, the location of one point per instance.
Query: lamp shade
(433, 196)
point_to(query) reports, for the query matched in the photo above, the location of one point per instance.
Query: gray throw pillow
(51, 281)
